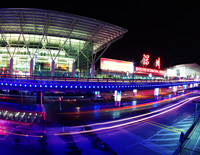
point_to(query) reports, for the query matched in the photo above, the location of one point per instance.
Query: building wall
(183, 71)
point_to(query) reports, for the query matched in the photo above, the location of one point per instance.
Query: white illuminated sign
(116, 65)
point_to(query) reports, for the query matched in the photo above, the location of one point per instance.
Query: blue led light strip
(84, 86)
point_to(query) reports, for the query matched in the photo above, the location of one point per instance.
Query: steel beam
(11, 65)
(72, 26)
(102, 53)
(5, 43)
(16, 45)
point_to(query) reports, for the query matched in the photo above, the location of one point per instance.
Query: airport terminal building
(51, 43)
(186, 71)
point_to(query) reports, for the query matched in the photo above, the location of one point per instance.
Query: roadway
(153, 129)
(156, 135)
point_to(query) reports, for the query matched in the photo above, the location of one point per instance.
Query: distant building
(188, 71)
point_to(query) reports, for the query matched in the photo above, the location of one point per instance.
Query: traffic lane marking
(163, 127)
(166, 126)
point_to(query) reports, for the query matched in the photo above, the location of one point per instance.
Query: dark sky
(166, 29)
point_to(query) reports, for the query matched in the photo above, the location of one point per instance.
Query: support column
(134, 92)
(40, 98)
(93, 71)
(156, 92)
(117, 98)
(31, 67)
(61, 104)
(11, 65)
(117, 95)
(97, 93)
(185, 87)
(22, 96)
(73, 69)
(174, 89)
(52, 67)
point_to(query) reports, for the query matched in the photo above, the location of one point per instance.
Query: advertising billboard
(149, 70)
(116, 65)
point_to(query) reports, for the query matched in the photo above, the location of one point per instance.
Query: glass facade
(42, 49)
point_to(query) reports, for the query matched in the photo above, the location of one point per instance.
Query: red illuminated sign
(145, 60)
(157, 64)
(149, 70)
(116, 65)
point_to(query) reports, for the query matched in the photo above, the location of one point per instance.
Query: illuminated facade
(188, 71)
(113, 65)
(112, 68)
(52, 43)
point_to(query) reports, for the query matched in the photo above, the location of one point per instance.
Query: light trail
(127, 107)
(3, 131)
(162, 111)
(129, 118)
(25, 135)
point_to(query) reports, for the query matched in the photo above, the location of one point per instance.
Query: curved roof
(53, 23)
(191, 66)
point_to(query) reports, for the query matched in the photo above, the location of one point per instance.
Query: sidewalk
(192, 145)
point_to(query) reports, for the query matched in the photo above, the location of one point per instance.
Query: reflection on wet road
(81, 128)
(116, 110)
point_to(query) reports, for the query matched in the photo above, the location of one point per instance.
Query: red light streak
(131, 120)
(127, 107)
(138, 115)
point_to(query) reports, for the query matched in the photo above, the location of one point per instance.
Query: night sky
(170, 31)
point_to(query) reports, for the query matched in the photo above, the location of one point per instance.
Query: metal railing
(76, 79)
(185, 136)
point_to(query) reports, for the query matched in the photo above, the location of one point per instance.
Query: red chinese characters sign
(157, 64)
(145, 60)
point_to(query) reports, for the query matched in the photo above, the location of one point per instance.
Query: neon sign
(149, 70)
(157, 64)
(116, 65)
(145, 60)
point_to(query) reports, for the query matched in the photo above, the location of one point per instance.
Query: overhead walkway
(42, 84)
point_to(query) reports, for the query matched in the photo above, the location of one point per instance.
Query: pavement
(192, 144)
(162, 140)
(73, 144)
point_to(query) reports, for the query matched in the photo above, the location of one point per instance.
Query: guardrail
(76, 79)
(185, 136)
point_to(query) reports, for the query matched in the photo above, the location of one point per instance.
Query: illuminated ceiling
(59, 24)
